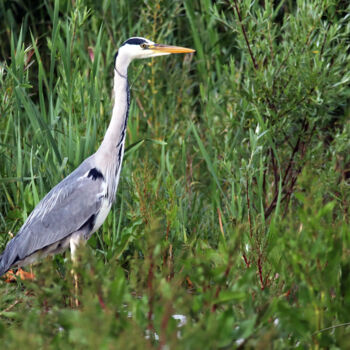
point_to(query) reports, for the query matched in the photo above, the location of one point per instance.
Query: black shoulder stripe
(115, 57)
(95, 174)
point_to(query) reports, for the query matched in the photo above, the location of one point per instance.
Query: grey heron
(77, 206)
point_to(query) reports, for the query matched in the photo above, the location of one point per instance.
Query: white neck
(115, 134)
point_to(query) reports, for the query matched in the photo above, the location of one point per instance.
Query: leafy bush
(233, 207)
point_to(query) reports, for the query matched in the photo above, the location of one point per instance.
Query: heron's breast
(102, 214)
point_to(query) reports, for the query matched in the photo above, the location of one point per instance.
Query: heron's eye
(144, 46)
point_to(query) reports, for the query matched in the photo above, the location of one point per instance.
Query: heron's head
(138, 47)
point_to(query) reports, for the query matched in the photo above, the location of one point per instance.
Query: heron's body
(76, 207)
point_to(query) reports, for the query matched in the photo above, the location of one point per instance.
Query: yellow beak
(169, 49)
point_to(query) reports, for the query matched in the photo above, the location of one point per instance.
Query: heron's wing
(69, 206)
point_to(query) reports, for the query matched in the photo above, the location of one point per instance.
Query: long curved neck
(115, 134)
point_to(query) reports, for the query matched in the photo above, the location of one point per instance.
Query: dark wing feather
(64, 210)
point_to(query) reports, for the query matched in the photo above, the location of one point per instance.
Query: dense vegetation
(233, 205)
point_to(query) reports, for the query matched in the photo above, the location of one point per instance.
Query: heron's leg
(75, 241)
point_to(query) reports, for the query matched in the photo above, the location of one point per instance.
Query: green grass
(233, 204)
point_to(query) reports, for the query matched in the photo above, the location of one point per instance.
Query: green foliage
(233, 205)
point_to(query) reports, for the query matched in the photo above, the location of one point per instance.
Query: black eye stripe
(134, 41)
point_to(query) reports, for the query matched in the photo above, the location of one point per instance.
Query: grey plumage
(68, 207)
(76, 207)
